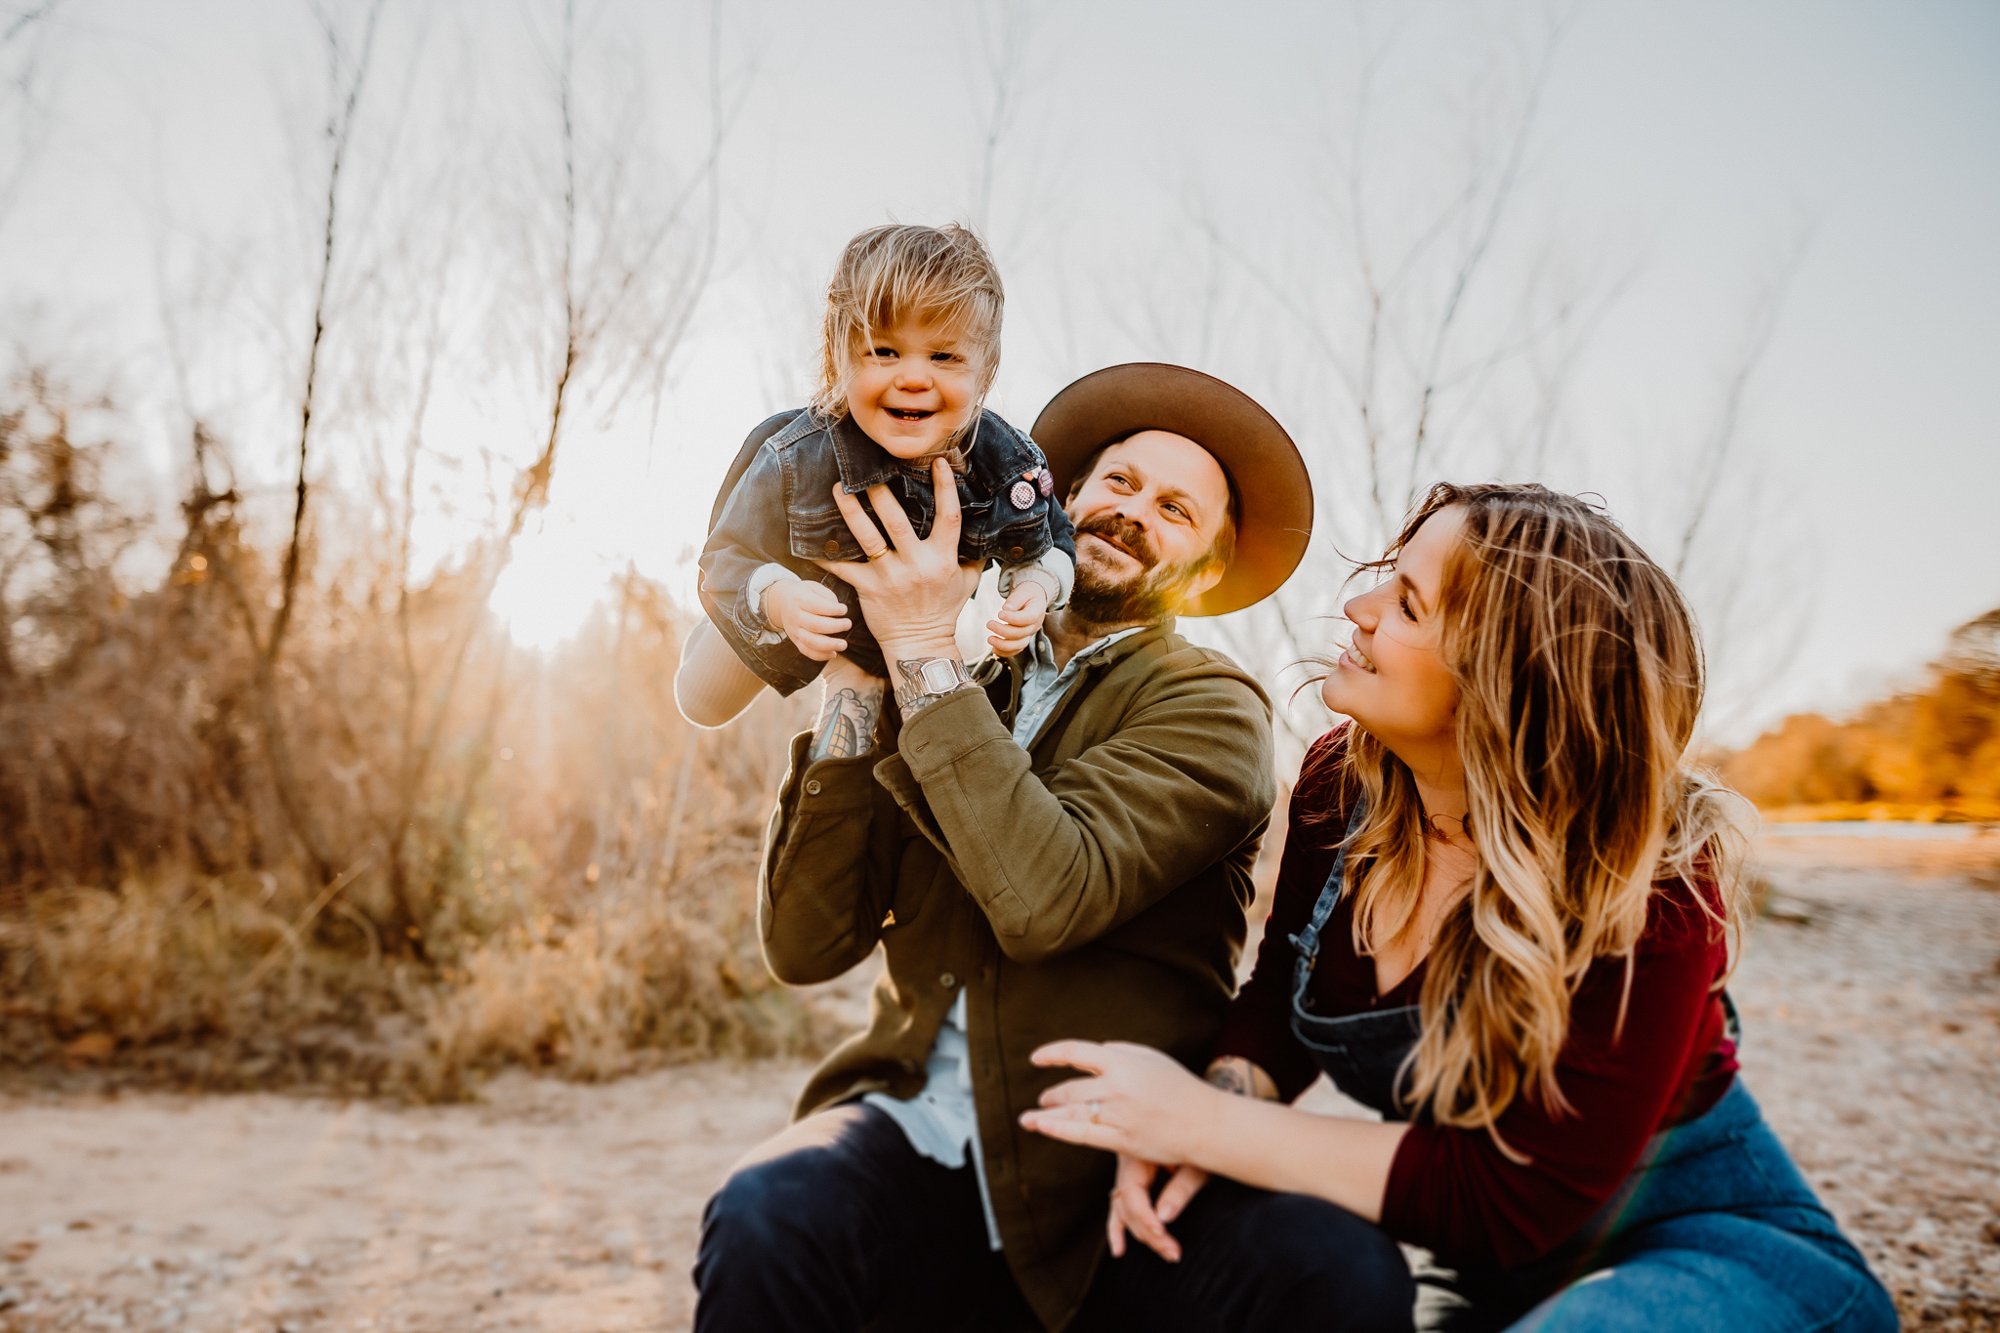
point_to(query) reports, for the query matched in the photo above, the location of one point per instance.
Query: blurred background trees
(1935, 746)
(557, 902)
(275, 794)
(282, 791)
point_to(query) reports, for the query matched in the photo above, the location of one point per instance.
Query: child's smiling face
(914, 386)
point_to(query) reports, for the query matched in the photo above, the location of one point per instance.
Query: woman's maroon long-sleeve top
(1452, 1190)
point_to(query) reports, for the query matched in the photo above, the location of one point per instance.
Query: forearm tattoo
(1233, 1076)
(846, 727)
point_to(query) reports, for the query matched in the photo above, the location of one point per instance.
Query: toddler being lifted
(910, 348)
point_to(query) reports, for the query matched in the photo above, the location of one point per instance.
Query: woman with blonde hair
(1505, 913)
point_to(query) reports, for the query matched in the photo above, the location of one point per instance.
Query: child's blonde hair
(893, 272)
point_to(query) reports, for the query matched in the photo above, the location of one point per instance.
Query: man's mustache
(1124, 532)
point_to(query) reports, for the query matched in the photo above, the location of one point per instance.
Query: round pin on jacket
(1022, 494)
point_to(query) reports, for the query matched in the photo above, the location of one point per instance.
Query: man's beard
(1150, 596)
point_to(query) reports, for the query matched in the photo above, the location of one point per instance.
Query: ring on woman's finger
(875, 555)
(1095, 1107)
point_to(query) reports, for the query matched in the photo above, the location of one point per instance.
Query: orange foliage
(1937, 746)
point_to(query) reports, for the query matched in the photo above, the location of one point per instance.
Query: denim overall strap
(1306, 941)
(1363, 1053)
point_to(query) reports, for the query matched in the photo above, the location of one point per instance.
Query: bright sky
(1684, 158)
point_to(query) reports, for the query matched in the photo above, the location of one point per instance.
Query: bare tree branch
(339, 131)
(1712, 463)
(28, 18)
(21, 46)
(1473, 260)
(1003, 45)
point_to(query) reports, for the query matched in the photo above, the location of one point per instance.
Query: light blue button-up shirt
(940, 1121)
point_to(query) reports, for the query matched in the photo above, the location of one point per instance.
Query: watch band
(922, 681)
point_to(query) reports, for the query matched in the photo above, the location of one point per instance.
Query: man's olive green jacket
(1094, 886)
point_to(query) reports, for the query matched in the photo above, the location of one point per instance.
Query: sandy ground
(1871, 999)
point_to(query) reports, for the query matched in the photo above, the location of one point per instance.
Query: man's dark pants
(838, 1223)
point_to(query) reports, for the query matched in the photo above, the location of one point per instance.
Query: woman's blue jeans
(1714, 1229)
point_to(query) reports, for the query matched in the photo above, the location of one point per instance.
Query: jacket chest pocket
(814, 529)
(975, 532)
(1023, 540)
(821, 535)
(818, 532)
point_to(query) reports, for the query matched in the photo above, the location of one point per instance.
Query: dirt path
(548, 1206)
(1872, 1002)
(1871, 1005)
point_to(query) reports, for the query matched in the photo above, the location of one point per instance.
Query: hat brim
(1272, 486)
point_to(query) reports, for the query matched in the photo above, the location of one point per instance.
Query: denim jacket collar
(1004, 458)
(863, 463)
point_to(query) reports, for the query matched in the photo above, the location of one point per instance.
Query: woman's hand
(1134, 1211)
(1140, 1102)
(911, 591)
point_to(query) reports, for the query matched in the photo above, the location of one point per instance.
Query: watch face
(940, 674)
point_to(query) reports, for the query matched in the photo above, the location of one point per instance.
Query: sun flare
(549, 588)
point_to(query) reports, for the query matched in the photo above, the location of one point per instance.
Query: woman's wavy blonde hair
(1580, 675)
(897, 271)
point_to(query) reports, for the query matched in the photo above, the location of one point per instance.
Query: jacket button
(947, 981)
(832, 548)
(812, 787)
(1016, 552)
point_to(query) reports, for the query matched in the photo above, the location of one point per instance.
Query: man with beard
(1059, 845)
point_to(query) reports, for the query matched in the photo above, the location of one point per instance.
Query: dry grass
(611, 994)
(397, 855)
(210, 983)
(215, 985)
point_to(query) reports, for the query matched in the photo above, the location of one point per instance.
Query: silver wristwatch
(923, 682)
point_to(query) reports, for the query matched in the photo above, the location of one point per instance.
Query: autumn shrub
(636, 981)
(1931, 752)
(391, 850)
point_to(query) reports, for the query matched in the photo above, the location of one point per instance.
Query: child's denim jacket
(777, 507)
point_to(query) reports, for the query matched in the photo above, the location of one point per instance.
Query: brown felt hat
(1262, 462)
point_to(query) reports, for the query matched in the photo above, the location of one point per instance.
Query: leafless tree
(1731, 549)
(1403, 334)
(619, 217)
(1006, 31)
(1428, 329)
(348, 63)
(623, 284)
(1015, 197)
(25, 38)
